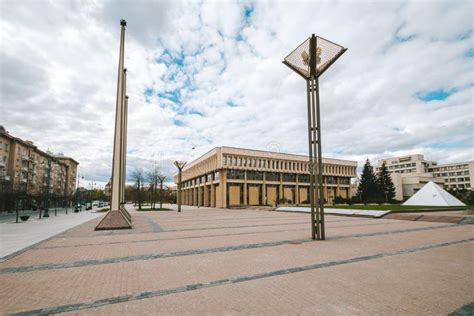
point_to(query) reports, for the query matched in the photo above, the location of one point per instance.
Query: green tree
(386, 189)
(368, 188)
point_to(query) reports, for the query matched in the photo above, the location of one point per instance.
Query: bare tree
(138, 178)
(152, 175)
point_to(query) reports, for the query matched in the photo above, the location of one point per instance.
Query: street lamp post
(48, 189)
(161, 179)
(180, 165)
(310, 60)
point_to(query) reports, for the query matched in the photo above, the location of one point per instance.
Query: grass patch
(154, 209)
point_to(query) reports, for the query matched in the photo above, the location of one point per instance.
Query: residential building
(228, 176)
(26, 169)
(457, 176)
(407, 164)
(410, 173)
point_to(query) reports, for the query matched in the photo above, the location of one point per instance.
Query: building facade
(231, 177)
(410, 173)
(456, 176)
(25, 169)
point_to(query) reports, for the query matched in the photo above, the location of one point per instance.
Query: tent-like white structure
(432, 194)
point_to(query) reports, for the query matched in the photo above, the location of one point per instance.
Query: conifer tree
(385, 184)
(368, 188)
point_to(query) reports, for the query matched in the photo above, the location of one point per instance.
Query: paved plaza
(245, 261)
(16, 237)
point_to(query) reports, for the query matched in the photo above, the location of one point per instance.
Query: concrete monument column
(118, 217)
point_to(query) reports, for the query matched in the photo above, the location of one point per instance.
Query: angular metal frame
(316, 189)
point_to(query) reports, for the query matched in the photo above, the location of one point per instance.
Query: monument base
(124, 211)
(114, 220)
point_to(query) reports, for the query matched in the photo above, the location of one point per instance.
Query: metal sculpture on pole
(310, 60)
(180, 165)
(118, 217)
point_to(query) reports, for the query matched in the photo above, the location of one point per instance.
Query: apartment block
(410, 173)
(457, 176)
(229, 177)
(27, 169)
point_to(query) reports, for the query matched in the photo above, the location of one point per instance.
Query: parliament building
(233, 177)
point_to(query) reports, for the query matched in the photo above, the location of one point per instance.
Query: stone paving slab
(178, 243)
(14, 237)
(359, 288)
(353, 272)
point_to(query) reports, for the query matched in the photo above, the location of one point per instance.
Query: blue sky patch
(148, 93)
(195, 112)
(168, 58)
(470, 53)
(178, 122)
(399, 38)
(173, 96)
(231, 103)
(439, 95)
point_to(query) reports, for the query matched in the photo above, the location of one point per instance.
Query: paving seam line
(92, 262)
(239, 279)
(131, 233)
(203, 236)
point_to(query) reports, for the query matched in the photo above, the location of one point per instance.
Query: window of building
(289, 177)
(272, 176)
(331, 180)
(216, 175)
(303, 178)
(254, 175)
(235, 174)
(344, 180)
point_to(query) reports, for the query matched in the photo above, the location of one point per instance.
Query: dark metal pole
(320, 164)
(178, 197)
(311, 163)
(315, 159)
(48, 189)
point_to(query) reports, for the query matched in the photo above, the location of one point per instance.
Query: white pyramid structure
(432, 194)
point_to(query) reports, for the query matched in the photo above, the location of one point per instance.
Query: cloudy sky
(206, 74)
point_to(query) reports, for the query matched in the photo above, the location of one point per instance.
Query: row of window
(269, 176)
(456, 167)
(203, 179)
(459, 186)
(458, 179)
(264, 163)
(413, 164)
(405, 171)
(450, 174)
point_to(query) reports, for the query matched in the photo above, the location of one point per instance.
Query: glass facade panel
(235, 174)
(254, 175)
(289, 177)
(344, 180)
(303, 178)
(272, 176)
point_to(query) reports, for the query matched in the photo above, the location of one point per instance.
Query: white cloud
(59, 65)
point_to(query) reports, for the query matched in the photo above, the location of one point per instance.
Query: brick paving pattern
(244, 261)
